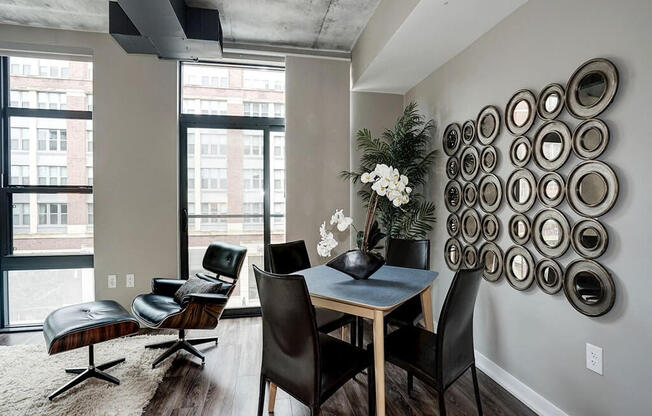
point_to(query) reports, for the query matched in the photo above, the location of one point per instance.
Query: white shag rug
(28, 375)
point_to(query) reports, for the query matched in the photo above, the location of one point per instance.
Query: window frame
(9, 261)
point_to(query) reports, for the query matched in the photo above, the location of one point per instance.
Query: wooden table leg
(426, 306)
(379, 362)
(272, 398)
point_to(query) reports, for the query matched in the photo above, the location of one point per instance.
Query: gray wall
(317, 146)
(376, 112)
(135, 157)
(540, 339)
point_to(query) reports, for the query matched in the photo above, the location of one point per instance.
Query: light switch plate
(594, 358)
(112, 281)
(130, 280)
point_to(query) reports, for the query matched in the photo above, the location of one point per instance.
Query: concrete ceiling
(434, 32)
(318, 24)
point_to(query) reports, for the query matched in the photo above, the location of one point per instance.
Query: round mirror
(490, 193)
(453, 225)
(521, 113)
(470, 194)
(551, 102)
(519, 267)
(492, 258)
(521, 190)
(551, 146)
(552, 189)
(591, 139)
(468, 131)
(452, 167)
(470, 257)
(469, 164)
(453, 254)
(588, 287)
(551, 233)
(488, 159)
(549, 276)
(453, 196)
(521, 151)
(490, 262)
(520, 228)
(592, 189)
(590, 238)
(470, 225)
(488, 125)
(452, 139)
(591, 88)
(490, 227)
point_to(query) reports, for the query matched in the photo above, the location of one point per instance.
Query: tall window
(46, 236)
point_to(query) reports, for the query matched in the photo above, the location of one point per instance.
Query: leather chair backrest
(414, 254)
(286, 258)
(455, 327)
(290, 340)
(224, 259)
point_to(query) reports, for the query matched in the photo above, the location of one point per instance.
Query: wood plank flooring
(228, 383)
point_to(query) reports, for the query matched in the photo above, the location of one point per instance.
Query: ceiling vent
(167, 28)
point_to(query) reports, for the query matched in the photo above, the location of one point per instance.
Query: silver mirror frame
(486, 152)
(608, 299)
(469, 124)
(531, 100)
(470, 255)
(473, 153)
(583, 127)
(452, 167)
(491, 276)
(486, 206)
(540, 268)
(541, 189)
(451, 150)
(486, 221)
(468, 237)
(528, 229)
(452, 242)
(514, 178)
(576, 241)
(453, 184)
(511, 278)
(528, 154)
(470, 194)
(610, 73)
(566, 145)
(488, 110)
(537, 235)
(572, 186)
(541, 102)
(453, 225)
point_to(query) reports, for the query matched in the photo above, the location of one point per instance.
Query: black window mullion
(266, 197)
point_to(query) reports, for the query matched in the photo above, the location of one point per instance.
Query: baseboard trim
(520, 390)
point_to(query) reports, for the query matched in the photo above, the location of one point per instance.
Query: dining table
(373, 298)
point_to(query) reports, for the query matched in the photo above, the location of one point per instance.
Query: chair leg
(261, 395)
(410, 384)
(476, 388)
(181, 344)
(371, 389)
(360, 332)
(442, 404)
(353, 333)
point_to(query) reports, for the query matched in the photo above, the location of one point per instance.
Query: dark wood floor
(228, 384)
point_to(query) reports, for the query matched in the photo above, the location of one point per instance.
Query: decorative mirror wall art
(488, 159)
(452, 167)
(468, 132)
(592, 189)
(490, 193)
(519, 267)
(590, 139)
(591, 88)
(453, 254)
(488, 124)
(519, 229)
(490, 227)
(589, 238)
(453, 196)
(520, 112)
(521, 190)
(520, 151)
(551, 189)
(470, 255)
(492, 257)
(549, 276)
(452, 139)
(552, 145)
(551, 101)
(470, 223)
(469, 163)
(470, 194)
(551, 233)
(589, 288)
(453, 225)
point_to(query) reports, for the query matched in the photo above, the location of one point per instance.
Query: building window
(253, 144)
(252, 109)
(90, 220)
(279, 209)
(279, 146)
(19, 139)
(279, 110)
(213, 144)
(52, 175)
(214, 208)
(89, 175)
(191, 178)
(89, 141)
(191, 143)
(213, 107)
(213, 178)
(21, 99)
(253, 179)
(51, 100)
(89, 103)
(279, 180)
(19, 175)
(21, 214)
(252, 208)
(52, 140)
(52, 214)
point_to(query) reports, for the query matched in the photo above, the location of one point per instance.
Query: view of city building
(226, 166)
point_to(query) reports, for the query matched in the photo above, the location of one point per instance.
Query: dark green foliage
(407, 148)
(375, 235)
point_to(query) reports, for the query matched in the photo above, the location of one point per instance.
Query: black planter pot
(357, 264)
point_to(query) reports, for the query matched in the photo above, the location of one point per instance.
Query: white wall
(135, 157)
(317, 145)
(540, 339)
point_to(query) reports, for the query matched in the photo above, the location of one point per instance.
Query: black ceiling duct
(167, 28)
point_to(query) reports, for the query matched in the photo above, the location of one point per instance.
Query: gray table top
(388, 287)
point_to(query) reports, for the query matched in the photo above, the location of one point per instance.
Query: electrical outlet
(130, 280)
(112, 281)
(594, 358)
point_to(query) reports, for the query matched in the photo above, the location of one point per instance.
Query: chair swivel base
(91, 371)
(181, 344)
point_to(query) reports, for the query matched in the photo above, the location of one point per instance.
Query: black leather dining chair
(440, 359)
(310, 366)
(158, 309)
(287, 258)
(413, 254)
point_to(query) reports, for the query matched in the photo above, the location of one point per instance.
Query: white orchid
(388, 181)
(341, 221)
(328, 241)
